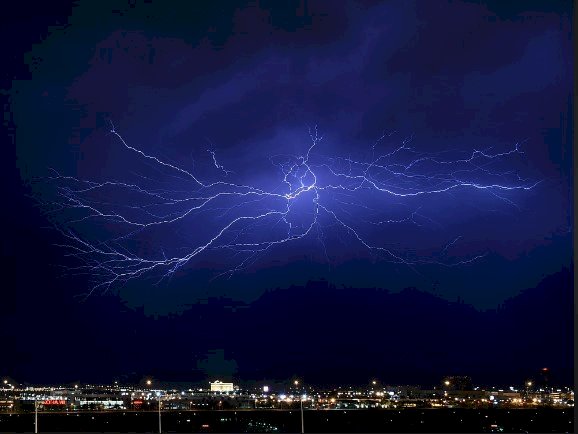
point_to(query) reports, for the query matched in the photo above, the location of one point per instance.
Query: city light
(141, 398)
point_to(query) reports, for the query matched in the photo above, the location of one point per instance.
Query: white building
(219, 386)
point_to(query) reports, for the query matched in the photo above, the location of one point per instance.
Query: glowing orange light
(54, 402)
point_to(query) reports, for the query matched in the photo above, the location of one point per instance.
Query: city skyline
(263, 408)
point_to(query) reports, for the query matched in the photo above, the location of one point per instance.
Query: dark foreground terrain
(407, 420)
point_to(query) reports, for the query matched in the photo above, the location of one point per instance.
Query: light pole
(160, 398)
(35, 415)
(149, 382)
(301, 404)
(302, 427)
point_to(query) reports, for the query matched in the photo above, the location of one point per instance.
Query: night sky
(351, 190)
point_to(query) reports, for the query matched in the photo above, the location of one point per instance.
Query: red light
(54, 402)
(544, 369)
(137, 402)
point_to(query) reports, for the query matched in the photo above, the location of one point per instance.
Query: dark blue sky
(246, 80)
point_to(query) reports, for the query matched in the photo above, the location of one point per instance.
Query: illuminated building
(219, 386)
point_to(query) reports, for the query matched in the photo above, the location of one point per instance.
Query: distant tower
(544, 378)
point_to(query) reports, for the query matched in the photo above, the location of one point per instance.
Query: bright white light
(282, 397)
(491, 397)
(265, 389)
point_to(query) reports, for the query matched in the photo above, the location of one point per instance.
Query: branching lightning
(310, 195)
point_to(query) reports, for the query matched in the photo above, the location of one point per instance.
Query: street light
(301, 401)
(148, 383)
(160, 399)
(296, 383)
(35, 414)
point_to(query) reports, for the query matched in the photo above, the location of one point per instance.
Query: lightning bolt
(115, 229)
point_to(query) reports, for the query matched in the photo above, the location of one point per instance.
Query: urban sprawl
(453, 392)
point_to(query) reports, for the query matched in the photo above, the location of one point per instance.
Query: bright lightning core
(167, 216)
